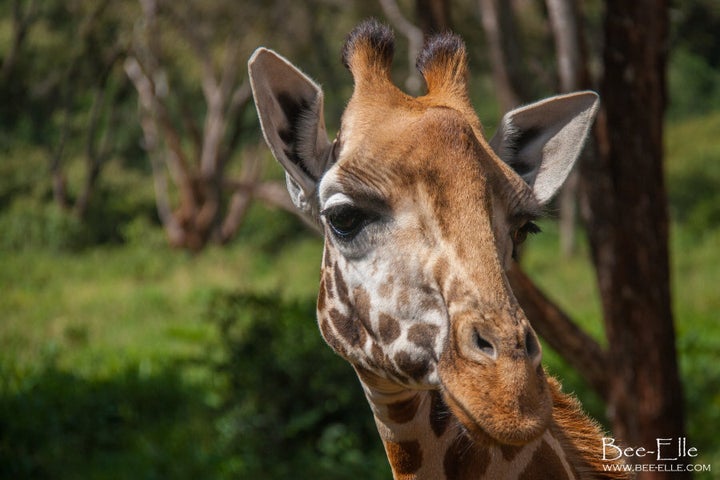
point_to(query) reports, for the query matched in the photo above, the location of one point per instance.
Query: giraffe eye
(346, 221)
(519, 235)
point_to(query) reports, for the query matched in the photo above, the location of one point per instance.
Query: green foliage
(266, 400)
(694, 172)
(30, 218)
(27, 224)
(289, 397)
(693, 84)
(30, 223)
(56, 424)
(695, 24)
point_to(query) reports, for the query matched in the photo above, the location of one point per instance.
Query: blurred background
(157, 291)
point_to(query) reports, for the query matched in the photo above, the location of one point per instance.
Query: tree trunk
(566, 24)
(509, 74)
(414, 35)
(433, 15)
(628, 229)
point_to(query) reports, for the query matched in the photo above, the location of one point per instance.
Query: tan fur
(417, 298)
(579, 436)
(444, 156)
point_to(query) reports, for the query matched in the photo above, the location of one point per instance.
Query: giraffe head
(421, 215)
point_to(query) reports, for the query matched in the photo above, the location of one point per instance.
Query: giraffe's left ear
(541, 141)
(290, 107)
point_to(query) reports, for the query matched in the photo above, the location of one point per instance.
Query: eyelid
(374, 206)
(522, 218)
(335, 200)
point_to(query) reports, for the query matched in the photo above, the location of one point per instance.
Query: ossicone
(443, 64)
(368, 52)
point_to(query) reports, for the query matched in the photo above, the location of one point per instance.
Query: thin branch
(148, 97)
(566, 25)
(96, 151)
(148, 123)
(59, 180)
(508, 66)
(415, 41)
(564, 21)
(21, 24)
(240, 99)
(242, 196)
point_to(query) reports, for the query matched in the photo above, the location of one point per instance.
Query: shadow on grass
(273, 401)
(58, 425)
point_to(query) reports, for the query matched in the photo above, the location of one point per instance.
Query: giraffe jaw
(510, 404)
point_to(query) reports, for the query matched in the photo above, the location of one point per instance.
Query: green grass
(135, 300)
(107, 357)
(108, 360)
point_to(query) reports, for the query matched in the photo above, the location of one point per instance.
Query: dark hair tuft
(372, 34)
(440, 46)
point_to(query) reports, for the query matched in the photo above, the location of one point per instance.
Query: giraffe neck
(423, 440)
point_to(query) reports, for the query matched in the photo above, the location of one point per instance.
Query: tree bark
(628, 229)
(204, 213)
(21, 22)
(433, 15)
(509, 75)
(566, 25)
(415, 37)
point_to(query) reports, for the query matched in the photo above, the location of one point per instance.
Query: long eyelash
(531, 228)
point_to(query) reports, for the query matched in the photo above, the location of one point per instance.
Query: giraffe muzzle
(493, 381)
(480, 345)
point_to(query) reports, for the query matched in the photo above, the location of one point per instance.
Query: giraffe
(421, 215)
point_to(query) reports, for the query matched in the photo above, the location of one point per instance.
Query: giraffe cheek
(330, 338)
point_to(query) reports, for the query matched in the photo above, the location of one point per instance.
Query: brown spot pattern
(430, 303)
(327, 260)
(389, 328)
(404, 410)
(439, 414)
(361, 302)
(380, 358)
(341, 286)
(414, 369)
(440, 270)
(423, 335)
(403, 300)
(330, 337)
(463, 460)
(347, 328)
(405, 457)
(361, 309)
(386, 289)
(328, 285)
(322, 294)
(544, 464)
(509, 451)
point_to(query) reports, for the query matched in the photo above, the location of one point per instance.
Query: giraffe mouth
(507, 403)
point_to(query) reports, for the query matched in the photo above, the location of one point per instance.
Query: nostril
(483, 345)
(531, 346)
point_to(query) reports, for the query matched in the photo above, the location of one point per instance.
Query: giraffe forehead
(401, 154)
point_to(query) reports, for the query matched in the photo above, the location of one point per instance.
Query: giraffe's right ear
(290, 107)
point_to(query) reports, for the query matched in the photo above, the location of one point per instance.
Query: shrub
(290, 404)
(694, 85)
(31, 224)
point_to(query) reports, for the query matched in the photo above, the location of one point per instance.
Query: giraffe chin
(508, 403)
